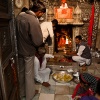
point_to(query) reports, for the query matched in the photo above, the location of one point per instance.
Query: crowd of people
(32, 55)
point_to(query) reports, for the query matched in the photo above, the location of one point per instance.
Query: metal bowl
(76, 77)
(62, 76)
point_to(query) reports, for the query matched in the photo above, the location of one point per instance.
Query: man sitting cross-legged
(41, 71)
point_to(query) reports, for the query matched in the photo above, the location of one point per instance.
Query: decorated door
(8, 62)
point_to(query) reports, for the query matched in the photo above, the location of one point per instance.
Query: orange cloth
(63, 1)
(66, 13)
(61, 42)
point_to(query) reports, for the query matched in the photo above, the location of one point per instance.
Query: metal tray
(62, 76)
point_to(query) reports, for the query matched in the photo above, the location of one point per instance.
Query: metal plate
(62, 76)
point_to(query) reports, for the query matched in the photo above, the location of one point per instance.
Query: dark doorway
(63, 37)
(8, 68)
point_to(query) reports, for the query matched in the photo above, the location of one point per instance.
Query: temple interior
(74, 18)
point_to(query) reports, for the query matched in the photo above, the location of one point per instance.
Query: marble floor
(58, 91)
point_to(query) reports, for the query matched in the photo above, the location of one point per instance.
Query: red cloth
(61, 42)
(63, 1)
(39, 58)
(90, 28)
(76, 89)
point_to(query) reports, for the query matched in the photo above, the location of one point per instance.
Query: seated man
(82, 54)
(41, 72)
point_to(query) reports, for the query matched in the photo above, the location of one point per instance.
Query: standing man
(83, 55)
(29, 37)
(48, 29)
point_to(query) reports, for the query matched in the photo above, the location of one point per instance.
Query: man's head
(38, 8)
(41, 51)
(78, 39)
(54, 23)
(24, 9)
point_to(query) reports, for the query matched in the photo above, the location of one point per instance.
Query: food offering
(62, 77)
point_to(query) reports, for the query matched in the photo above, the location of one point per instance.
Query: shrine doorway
(63, 38)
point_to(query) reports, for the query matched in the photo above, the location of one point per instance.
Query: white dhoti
(45, 74)
(81, 60)
(41, 72)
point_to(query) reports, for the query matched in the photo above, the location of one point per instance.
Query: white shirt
(80, 50)
(47, 29)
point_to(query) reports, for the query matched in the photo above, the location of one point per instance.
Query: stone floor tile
(97, 71)
(48, 90)
(62, 90)
(23, 98)
(64, 84)
(46, 96)
(71, 89)
(91, 71)
(74, 64)
(38, 87)
(36, 97)
(98, 66)
(92, 66)
(51, 81)
(97, 75)
(62, 97)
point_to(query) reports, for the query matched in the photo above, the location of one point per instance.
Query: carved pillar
(95, 26)
(75, 33)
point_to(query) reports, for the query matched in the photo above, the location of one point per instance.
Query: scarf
(40, 59)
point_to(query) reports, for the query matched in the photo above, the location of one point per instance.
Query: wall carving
(95, 27)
